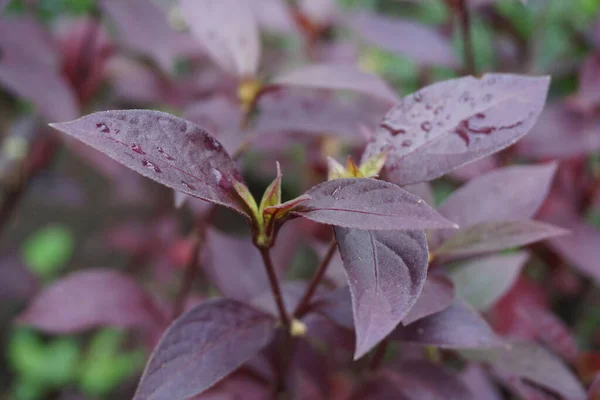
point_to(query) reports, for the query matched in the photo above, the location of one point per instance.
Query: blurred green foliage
(48, 250)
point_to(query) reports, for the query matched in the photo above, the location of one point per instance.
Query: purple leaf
(452, 123)
(88, 299)
(285, 111)
(336, 306)
(164, 148)
(144, 27)
(421, 380)
(561, 133)
(437, 295)
(291, 292)
(275, 16)
(338, 77)
(534, 363)
(493, 236)
(202, 347)
(483, 281)
(386, 271)
(419, 43)
(457, 327)
(510, 193)
(366, 203)
(479, 383)
(17, 282)
(228, 31)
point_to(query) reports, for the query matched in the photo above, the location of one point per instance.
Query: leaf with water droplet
(162, 147)
(452, 123)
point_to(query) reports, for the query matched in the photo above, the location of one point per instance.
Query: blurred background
(65, 207)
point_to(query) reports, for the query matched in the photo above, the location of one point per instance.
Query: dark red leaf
(483, 281)
(88, 299)
(451, 123)
(164, 148)
(417, 42)
(386, 271)
(202, 347)
(437, 295)
(487, 237)
(338, 77)
(228, 31)
(457, 327)
(366, 203)
(533, 363)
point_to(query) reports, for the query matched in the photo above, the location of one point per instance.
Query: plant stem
(283, 315)
(378, 355)
(188, 276)
(316, 279)
(465, 26)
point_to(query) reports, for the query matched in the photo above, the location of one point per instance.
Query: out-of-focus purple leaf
(581, 247)
(365, 203)
(285, 111)
(291, 292)
(29, 68)
(510, 193)
(418, 42)
(534, 363)
(594, 392)
(228, 30)
(320, 12)
(88, 299)
(561, 133)
(479, 383)
(386, 271)
(522, 388)
(162, 147)
(336, 306)
(475, 169)
(419, 380)
(236, 387)
(143, 27)
(202, 347)
(493, 236)
(338, 77)
(422, 190)
(451, 123)
(587, 96)
(275, 16)
(234, 265)
(483, 281)
(437, 295)
(457, 327)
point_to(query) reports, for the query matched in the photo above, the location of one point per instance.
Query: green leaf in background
(48, 250)
(105, 365)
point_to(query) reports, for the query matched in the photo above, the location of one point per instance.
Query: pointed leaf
(386, 271)
(533, 362)
(366, 203)
(338, 77)
(272, 195)
(202, 347)
(437, 295)
(492, 236)
(483, 281)
(509, 193)
(228, 30)
(89, 299)
(452, 123)
(162, 147)
(457, 327)
(406, 38)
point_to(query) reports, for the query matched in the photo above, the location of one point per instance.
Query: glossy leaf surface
(451, 123)
(164, 148)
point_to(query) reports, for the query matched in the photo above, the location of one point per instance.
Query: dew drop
(418, 97)
(334, 194)
(189, 186)
(211, 143)
(480, 115)
(148, 164)
(137, 149)
(407, 143)
(426, 126)
(464, 97)
(102, 127)
(487, 98)
(438, 110)
(162, 151)
(216, 174)
(428, 106)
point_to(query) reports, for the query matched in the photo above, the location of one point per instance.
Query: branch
(283, 315)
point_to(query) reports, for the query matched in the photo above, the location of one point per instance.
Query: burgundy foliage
(310, 228)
